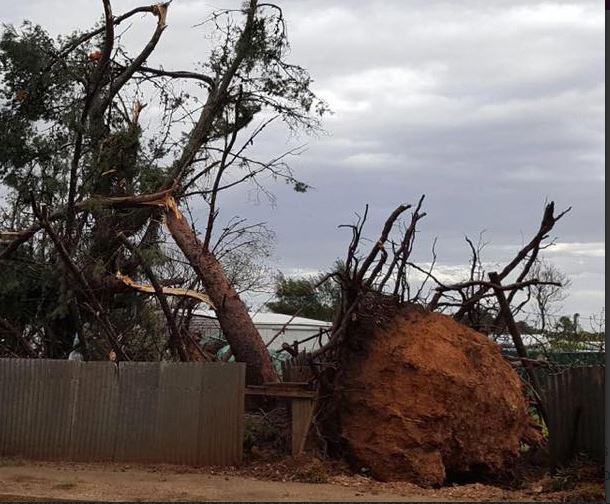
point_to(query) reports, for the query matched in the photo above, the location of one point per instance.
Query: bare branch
(490, 285)
(179, 74)
(546, 225)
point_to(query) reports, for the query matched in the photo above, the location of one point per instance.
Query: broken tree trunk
(235, 322)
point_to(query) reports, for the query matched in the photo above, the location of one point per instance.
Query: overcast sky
(489, 107)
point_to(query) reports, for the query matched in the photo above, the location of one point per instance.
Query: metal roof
(273, 319)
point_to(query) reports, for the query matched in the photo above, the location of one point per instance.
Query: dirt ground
(22, 480)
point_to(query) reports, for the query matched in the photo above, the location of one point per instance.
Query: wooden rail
(302, 401)
(286, 390)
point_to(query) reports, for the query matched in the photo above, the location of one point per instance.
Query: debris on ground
(580, 481)
(152, 482)
(267, 430)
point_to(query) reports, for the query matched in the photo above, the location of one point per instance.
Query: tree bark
(235, 322)
(518, 342)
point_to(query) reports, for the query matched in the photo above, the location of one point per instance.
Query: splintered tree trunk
(235, 322)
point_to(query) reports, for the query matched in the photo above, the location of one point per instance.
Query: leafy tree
(567, 335)
(524, 327)
(305, 297)
(88, 186)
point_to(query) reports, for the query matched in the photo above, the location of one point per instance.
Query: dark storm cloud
(490, 108)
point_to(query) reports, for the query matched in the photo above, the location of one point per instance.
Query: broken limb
(157, 199)
(167, 291)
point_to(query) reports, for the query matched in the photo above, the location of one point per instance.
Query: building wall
(290, 335)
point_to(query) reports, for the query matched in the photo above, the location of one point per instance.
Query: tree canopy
(306, 297)
(88, 187)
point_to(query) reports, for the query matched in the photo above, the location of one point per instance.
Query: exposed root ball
(422, 397)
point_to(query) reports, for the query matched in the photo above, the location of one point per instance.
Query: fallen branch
(180, 74)
(158, 199)
(168, 291)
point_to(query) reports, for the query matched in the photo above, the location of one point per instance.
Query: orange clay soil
(423, 398)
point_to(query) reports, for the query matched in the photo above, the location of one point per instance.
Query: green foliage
(524, 327)
(38, 108)
(266, 80)
(566, 336)
(29, 290)
(41, 100)
(260, 432)
(300, 295)
(52, 145)
(300, 186)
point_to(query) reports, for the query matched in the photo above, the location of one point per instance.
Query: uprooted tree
(414, 360)
(89, 187)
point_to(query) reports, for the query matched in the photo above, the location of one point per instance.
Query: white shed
(268, 325)
(297, 329)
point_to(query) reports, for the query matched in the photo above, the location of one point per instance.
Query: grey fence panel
(35, 401)
(178, 412)
(8, 395)
(26, 406)
(139, 394)
(221, 414)
(185, 413)
(297, 369)
(15, 390)
(592, 428)
(296, 373)
(575, 403)
(95, 412)
(57, 387)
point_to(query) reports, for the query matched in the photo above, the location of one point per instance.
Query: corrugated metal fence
(575, 404)
(183, 413)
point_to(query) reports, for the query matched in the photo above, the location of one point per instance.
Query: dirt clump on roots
(423, 398)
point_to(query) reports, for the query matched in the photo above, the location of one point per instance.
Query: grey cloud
(490, 108)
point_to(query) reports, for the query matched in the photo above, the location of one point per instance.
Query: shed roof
(272, 319)
(261, 318)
